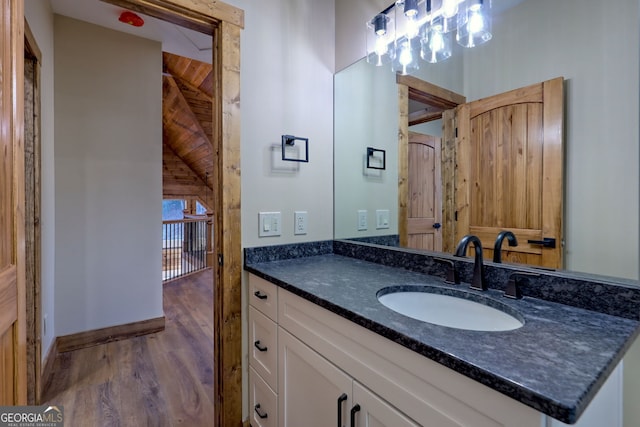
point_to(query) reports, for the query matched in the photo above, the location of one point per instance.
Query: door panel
(375, 412)
(309, 386)
(12, 239)
(509, 171)
(425, 193)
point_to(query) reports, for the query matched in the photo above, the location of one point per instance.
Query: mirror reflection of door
(509, 170)
(425, 193)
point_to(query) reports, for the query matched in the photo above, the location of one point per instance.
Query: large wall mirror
(533, 41)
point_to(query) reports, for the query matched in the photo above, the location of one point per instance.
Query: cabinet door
(310, 387)
(375, 412)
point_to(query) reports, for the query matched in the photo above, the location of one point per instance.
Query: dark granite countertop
(555, 363)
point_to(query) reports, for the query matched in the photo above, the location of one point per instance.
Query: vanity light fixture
(409, 29)
(288, 146)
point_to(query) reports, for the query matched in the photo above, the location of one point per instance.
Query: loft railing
(186, 246)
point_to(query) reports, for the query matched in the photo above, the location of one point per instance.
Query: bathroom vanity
(324, 351)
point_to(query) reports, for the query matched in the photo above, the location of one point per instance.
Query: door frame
(32, 219)
(224, 23)
(441, 103)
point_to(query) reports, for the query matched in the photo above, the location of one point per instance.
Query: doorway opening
(422, 102)
(224, 24)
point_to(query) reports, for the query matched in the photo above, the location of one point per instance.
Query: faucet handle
(513, 284)
(452, 276)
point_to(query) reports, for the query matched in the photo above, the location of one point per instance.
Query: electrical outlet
(382, 218)
(362, 220)
(269, 224)
(300, 222)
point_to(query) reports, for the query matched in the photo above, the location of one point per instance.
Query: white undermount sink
(457, 312)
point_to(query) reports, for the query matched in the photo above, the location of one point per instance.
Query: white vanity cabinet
(263, 353)
(327, 365)
(315, 393)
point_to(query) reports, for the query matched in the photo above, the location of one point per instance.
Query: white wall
(40, 19)
(108, 181)
(287, 88)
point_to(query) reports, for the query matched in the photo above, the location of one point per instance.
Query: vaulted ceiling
(187, 126)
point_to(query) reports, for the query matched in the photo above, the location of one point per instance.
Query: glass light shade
(449, 24)
(407, 18)
(380, 37)
(449, 8)
(435, 44)
(474, 23)
(406, 57)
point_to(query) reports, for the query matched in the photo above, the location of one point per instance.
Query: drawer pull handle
(260, 412)
(354, 410)
(546, 242)
(341, 399)
(260, 295)
(259, 347)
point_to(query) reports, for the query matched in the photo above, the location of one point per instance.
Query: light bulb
(476, 23)
(406, 57)
(412, 27)
(381, 46)
(436, 44)
(449, 8)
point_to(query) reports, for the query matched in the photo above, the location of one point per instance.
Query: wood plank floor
(161, 379)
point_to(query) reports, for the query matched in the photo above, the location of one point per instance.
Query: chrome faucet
(477, 282)
(497, 248)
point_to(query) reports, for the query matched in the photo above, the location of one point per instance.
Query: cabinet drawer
(263, 295)
(263, 347)
(263, 402)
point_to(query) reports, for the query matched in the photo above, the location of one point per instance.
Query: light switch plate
(362, 220)
(382, 218)
(269, 224)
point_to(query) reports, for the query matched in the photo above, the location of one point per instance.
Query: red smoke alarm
(131, 19)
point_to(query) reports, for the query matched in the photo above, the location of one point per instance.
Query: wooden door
(424, 208)
(509, 157)
(13, 378)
